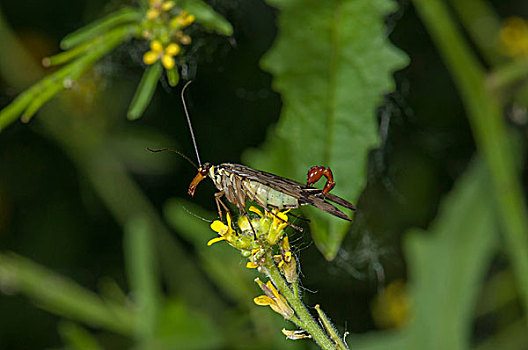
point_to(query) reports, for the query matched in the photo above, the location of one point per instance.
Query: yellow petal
(214, 240)
(219, 227)
(167, 5)
(285, 244)
(282, 215)
(251, 265)
(256, 211)
(152, 13)
(150, 57)
(229, 224)
(172, 50)
(168, 62)
(156, 46)
(272, 288)
(263, 300)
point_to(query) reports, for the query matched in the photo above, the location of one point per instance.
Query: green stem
(306, 321)
(330, 329)
(490, 132)
(482, 24)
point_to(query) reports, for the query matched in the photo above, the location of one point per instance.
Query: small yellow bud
(152, 13)
(167, 5)
(156, 46)
(173, 49)
(150, 57)
(185, 39)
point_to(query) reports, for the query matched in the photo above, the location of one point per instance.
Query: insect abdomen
(268, 196)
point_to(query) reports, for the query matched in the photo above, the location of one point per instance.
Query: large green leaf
(332, 64)
(446, 269)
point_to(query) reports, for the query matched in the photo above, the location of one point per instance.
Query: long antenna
(175, 151)
(189, 122)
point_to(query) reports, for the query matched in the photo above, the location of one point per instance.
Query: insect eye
(204, 169)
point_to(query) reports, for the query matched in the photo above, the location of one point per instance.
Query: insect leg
(219, 203)
(250, 224)
(316, 172)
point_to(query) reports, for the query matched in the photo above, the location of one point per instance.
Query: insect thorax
(216, 175)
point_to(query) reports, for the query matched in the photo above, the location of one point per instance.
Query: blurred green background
(52, 211)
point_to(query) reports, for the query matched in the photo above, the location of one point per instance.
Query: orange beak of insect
(192, 187)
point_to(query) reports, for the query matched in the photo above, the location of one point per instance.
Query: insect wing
(305, 194)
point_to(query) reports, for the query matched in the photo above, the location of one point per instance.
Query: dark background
(50, 214)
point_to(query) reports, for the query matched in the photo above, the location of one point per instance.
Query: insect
(238, 183)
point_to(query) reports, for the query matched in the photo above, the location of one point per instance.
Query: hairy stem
(306, 321)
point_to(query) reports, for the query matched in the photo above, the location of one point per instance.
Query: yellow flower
(225, 232)
(157, 51)
(273, 299)
(392, 308)
(286, 262)
(514, 37)
(184, 19)
(272, 223)
(157, 7)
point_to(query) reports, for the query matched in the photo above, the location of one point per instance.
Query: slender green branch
(62, 296)
(307, 322)
(330, 329)
(507, 75)
(489, 129)
(482, 24)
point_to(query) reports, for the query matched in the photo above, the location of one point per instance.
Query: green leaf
(208, 17)
(41, 99)
(123, 16)
(145, 91)
(31, 100)
(332, 64)
(143, 275)
(173, 76)
(446, 268)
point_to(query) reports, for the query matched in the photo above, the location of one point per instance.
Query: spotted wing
(306, 195)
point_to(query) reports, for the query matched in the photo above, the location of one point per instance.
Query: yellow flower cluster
(255, 239)
(514, 37)
(183, 20)
(157, 7)
(167, 34)
(166, 54)
(268, 227)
